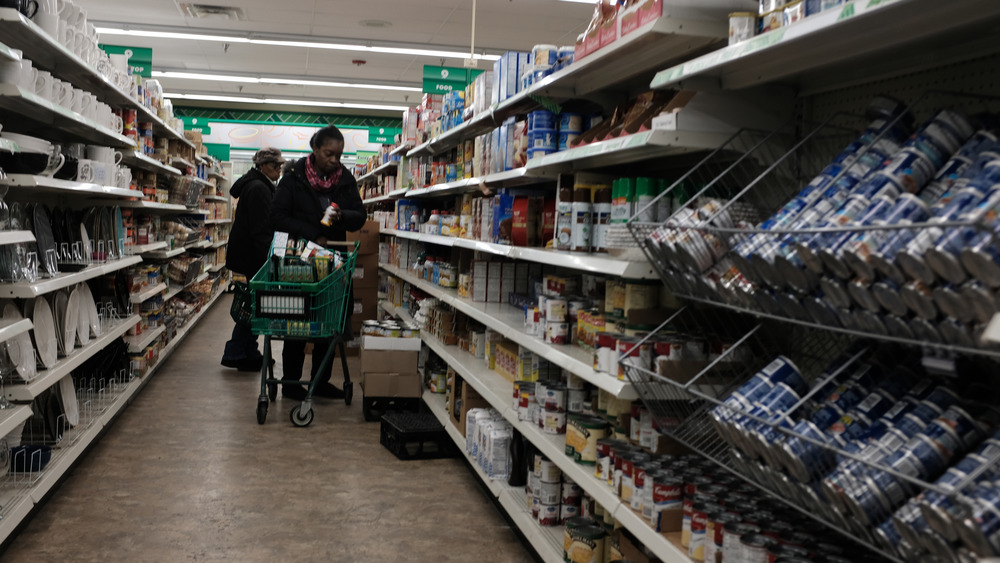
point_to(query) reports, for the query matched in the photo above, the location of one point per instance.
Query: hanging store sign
(444, 79)
(383, 135)
(139, 58)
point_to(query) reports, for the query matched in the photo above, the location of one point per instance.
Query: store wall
(284, 137)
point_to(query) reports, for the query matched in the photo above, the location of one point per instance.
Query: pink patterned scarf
(316, 181)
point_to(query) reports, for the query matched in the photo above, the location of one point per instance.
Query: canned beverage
(923, 330)
(979, 530)
(919, 298)
(861, 293)
(911, 168)
(782, 370)
(835, 292)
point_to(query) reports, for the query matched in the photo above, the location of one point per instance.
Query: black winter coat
(250, 237)
(297, 208)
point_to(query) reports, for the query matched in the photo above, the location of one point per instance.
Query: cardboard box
(368, 235)
(389, 343)
(389, 361)
(365, 272)
(403, 385)
(470, 399)
(365, 304)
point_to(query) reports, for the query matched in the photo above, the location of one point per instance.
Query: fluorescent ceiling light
(437, 53)
(278, 80)
(280, 101)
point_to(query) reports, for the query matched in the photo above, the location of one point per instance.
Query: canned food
(699, 528)
(548, 514)
(554, 422)
(586, 544)
(667, 498)
(582, 435)
(755, 547)
(835, 292)
(732, 548)
(714, 530)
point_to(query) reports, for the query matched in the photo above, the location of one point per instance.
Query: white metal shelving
(139, 342)
(220, 243)
(218, 221)
(61, 124)
(498, 393)
(65, 365)
(14, 237)
(10, 328)
(386, 167)
(148, 293)
(55, 185)
(595, 263)
(153, 206)
(215, 198)
(510, 323)
(27, 289)
(164, 253)
(217, 268)
(389, 196)
(844, 44)
(138, 160)
(150, 247)
(547, 541)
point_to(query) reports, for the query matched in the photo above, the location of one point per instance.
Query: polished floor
(186, 474)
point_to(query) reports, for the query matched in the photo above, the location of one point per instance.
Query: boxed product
(503, 218)
(526, 212)
(368, 236)
(365, 272)
(403, 385)
(469, 399)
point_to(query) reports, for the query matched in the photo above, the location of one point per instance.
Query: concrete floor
(186, 474)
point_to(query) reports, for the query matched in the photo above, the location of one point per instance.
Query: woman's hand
(321, 241)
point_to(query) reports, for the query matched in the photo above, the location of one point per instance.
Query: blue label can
(965, 428)
(782, 370)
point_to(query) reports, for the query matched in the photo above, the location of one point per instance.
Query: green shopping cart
(280, 309)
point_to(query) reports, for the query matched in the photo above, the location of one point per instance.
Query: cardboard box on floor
(365, 272)
(470, 400)
(365, 304)
(389, 361)
(368, 236)
(390, 373)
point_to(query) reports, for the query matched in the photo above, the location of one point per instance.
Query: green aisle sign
(139, 58)
(196, 124)
(384, 135)
(444, 79)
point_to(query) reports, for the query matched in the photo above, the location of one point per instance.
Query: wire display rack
(852, 228)
(863, 441)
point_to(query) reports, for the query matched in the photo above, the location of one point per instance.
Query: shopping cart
(284, 310)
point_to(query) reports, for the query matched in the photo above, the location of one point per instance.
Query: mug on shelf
(43, 84)
(56, 161)
(85, 171)
(27, 7)
(62, 93)
(106, 155)
(47, 17)
(81, 101)
(28, 76)
(123, 178)
(10, 71)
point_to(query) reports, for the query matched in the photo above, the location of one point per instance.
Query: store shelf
(498, 392)
(55, 185)
(217, 221)
(204, 183)
(148, 294)
(220, 243)
(397, 312)
(7, 54)
(14, 237)
(138, 343)
(391, 165)
(25, 112)
(10, 328)
(845, 44)
(136, 159)
(156, 207)
(515, 177)
(217, 176)
(509, 322)
(12, 416)
(165, 254)
(547, 541)
(142, 248)
(625, 150)
(65, 365)
(596, 263)
(47, 285)
(216, 268)
(391, 195)
(201, 244)
(177, 160)
(6, 145)
(215, 198)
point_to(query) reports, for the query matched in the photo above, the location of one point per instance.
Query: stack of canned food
(552, 497)
(903, 269)
(861, 445)
(390, 329)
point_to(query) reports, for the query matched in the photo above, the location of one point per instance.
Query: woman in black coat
(249, 242)
(302, 198)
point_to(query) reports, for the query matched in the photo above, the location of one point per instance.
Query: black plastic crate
(374, 407)
(415, 436)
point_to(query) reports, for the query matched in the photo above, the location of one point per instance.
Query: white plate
(83, 318)
(59, 307)
(72, 320)
(87, 302)
(19, 348)
(67, 393)
(45, 332)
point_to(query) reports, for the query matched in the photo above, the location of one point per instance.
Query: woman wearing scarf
(302, 197)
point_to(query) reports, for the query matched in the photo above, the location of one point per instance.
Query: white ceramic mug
(91, 112)
(77, 150)
(43, 84)
(81, 101)
(48, 21)
(28, 76)
(104, 154)
(123, 177)
(117, 124)
(56, 161)
(64, 95)
(101, 174)
(85, 170)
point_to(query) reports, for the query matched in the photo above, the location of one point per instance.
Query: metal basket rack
(726, 250)
(740, 243)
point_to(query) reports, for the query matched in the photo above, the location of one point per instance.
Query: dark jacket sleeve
(257, 200)
(283, 215)
(352, 208)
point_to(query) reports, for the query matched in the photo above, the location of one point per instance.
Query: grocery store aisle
(187, 474)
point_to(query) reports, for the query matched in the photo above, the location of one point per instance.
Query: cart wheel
(261, 411)
(348, 392)
(301, 421)
(272, 391)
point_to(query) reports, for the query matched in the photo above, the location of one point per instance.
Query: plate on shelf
(83, 318)
(45, 239)
(45, 332)
(72, 320)
(119, 231)
(19, 348)
(70, 404)
(87, 302)
(60, 300)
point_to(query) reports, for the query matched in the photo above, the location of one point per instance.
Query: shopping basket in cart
(283, 308)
